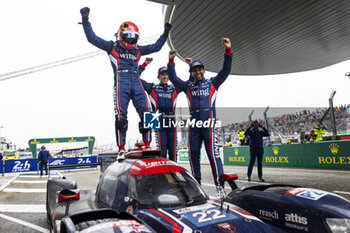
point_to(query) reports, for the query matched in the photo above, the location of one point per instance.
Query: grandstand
(292, 125)
(72, 152)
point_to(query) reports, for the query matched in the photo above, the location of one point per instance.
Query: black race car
(158, 193)
(291, 208)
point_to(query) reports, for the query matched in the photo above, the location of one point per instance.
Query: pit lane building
(268, 37)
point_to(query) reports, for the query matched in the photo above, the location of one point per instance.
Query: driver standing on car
(124, 54)
(201, 94)
(163, 96)
(43, 158)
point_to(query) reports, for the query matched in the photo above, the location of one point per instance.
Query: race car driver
(163, 96)
(201, 94)
(124, 54)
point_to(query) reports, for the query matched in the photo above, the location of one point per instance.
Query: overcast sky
(77, 99)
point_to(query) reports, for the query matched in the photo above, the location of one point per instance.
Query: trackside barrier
(27, 165)
(327, 154)
(20, 165)
(73, 163)
(183, 155)
(2, 164)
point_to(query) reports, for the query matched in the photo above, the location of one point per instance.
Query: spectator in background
(256, 132)
(229, 140)
(311, 137)
(241, 135)
(292, 124)
(319, 131)
(43, 158)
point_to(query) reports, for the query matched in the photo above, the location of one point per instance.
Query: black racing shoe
(248, 178)
(261, 179)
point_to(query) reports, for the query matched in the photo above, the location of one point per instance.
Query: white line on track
(341, 192)
(32, 175)
(23, 208)
(79, 171)
(252, 182)
(59, 174)
(30, 181)
(36, 176)
(23, 190)
(211, 185)
(24, 223)
(8, 182)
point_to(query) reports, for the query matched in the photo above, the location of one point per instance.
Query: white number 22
(203, 217)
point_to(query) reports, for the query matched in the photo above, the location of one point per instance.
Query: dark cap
(43, 147)
(162, 69)
(196, 63)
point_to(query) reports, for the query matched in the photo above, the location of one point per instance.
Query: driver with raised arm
(124, 54)
(201, 94)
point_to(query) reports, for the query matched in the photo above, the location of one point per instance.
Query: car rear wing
(55, 185)
(230, 178)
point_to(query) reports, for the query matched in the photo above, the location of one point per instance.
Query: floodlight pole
(334, 136)
(267, 125)
(250, 116)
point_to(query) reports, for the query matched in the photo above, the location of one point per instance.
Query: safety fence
(27, 165)
(330, 154)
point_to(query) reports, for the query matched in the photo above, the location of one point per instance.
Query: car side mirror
(67, 196)
(230, 178)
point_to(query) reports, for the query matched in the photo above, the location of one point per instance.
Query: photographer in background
(256, 132)
(311, 137)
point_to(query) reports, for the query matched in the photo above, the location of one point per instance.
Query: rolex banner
(330, 154)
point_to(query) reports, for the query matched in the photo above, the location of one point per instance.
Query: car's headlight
(339, 225)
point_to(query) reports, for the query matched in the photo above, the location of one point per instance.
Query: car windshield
(165, 190)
